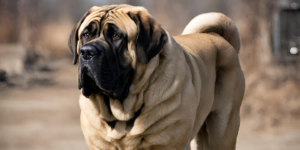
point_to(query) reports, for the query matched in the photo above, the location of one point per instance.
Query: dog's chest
(115, 137)
(136, 142)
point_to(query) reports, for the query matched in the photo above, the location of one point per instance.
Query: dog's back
(213, 41)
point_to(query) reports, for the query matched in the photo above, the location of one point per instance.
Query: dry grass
(272, 98)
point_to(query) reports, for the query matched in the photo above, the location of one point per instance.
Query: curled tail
(215, 22)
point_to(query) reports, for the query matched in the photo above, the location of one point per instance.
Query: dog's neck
(157, 86)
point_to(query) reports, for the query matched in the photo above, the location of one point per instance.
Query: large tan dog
(143, 89)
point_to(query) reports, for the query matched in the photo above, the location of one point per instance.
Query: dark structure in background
(286, 31)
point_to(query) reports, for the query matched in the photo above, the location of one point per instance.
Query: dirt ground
(37, 117)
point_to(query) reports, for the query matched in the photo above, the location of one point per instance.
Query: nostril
(81, 52)
(91, 53)
(88, 51)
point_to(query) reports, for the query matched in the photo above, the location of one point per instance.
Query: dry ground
(42, 117)
(47, 117)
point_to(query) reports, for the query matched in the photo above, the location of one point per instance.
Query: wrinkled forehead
(95, 15)
(113, 14)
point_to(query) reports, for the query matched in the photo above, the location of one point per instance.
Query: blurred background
(38, 87)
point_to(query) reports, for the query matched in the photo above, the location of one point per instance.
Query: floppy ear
(74, 38)
(151, 36)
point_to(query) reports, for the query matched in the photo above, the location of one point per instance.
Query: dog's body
(187, 97)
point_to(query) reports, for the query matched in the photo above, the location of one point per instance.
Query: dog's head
(109, 42)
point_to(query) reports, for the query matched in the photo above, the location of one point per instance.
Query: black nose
(88, 51)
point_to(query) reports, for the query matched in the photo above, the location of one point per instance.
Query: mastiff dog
(144, 89)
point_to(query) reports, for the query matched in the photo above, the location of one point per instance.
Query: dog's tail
(215, 22)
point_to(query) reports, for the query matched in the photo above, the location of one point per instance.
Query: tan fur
(192, 90)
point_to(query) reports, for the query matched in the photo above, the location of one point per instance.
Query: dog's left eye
(116, 35)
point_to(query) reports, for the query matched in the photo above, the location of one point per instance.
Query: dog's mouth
(89, 84)
(103, 82)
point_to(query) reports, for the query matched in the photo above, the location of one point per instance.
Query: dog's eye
(116, 35)
(86, 35)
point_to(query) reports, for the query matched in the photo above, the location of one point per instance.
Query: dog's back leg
(220, 129)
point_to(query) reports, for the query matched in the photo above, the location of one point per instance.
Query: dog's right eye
(86, 35)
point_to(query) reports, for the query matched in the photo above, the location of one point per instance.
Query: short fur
(185, 96)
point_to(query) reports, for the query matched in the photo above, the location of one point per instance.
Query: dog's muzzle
(87, 52)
